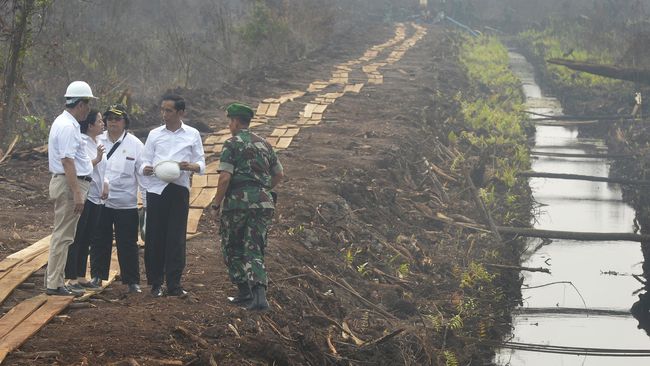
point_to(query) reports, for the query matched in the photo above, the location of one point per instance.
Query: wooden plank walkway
(29, 316)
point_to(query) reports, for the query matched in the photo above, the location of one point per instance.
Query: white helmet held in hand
(79, 89)
(167, 171)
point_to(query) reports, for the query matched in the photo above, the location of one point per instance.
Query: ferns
(450, 358)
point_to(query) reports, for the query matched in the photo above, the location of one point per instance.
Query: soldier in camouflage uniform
(248, 170)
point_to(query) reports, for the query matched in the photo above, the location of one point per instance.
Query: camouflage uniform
(248, 206)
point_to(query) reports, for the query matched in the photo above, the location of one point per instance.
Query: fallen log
(590, 178)
(569, 117)
(608, 71)
(573, 235)
(572, 311)
(593, 156)
(517, 268)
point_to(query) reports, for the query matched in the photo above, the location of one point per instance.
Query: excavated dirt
(355, 242)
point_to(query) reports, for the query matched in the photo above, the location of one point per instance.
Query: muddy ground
(356, 240)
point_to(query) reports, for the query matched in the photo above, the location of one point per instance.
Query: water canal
(600, 271)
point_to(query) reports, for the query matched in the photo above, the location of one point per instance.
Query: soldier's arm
(222, 187)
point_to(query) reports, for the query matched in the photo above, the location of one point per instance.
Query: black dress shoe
(156, 291)
(243, 296)
(177, 291)
(134, 288)
(95, 283)
(62, 291)
(89, 285)
(259, 302)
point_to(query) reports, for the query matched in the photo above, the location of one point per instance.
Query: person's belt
(87, 178)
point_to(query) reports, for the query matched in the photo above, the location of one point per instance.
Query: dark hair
(90, 120)
(75, 103)
(118, 108)
(179, 102)
(244, 120)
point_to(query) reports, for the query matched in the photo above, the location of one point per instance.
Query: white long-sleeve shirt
(123, 171)
(184, 144)
(99, 170)
(65, 141)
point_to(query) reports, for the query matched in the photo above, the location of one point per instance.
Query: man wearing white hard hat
(120, 213)
(71, 170)
(171, 153)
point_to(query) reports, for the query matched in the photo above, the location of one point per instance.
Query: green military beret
(239, 110)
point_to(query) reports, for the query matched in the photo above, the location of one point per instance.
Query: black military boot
(259, 302)
(243, 296)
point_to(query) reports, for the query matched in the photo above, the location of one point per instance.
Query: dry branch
(481, 206)
(185, 332)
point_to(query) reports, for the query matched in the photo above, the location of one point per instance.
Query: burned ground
(358, 247)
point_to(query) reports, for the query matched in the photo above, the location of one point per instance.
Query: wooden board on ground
(20, 273)
(217, 148)
(278, 132)
(273, 110)
(204, 199)
(194, 192)
(210, 140)
(28, 327)
(32, 250)
(193, 219)
(213, 180)
(284, 142)
(20, 312)
(309, 109)
(199, 181)
(291, 132)
(272, 140)
(261, 109)
(8, 263)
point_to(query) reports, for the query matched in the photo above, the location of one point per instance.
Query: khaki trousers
(65, 225)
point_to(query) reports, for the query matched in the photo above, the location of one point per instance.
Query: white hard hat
(79, 89)
(167, 170)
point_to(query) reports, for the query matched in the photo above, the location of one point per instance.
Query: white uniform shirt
(97, 185)
(162, 144)
(123, 171)
(65, 141)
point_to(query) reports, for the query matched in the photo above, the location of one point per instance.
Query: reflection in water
(641, 311)
(577, 206)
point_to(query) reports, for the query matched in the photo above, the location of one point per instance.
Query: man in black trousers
(168, 200)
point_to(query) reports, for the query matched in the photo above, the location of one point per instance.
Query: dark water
(600, 271)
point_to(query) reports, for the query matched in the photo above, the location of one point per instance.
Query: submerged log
(593, 156)
(631, 182)
(608, 71)
(573, 235)
(572, 311)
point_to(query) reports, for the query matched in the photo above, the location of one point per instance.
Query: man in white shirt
(71, 170)
(120, 212)
(168, 203)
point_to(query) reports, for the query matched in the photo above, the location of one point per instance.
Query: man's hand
(148, 170)
(78, 203)
(184, 165)
(104, 191)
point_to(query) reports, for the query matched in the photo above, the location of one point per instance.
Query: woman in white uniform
(75, 268)
(120, 213)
